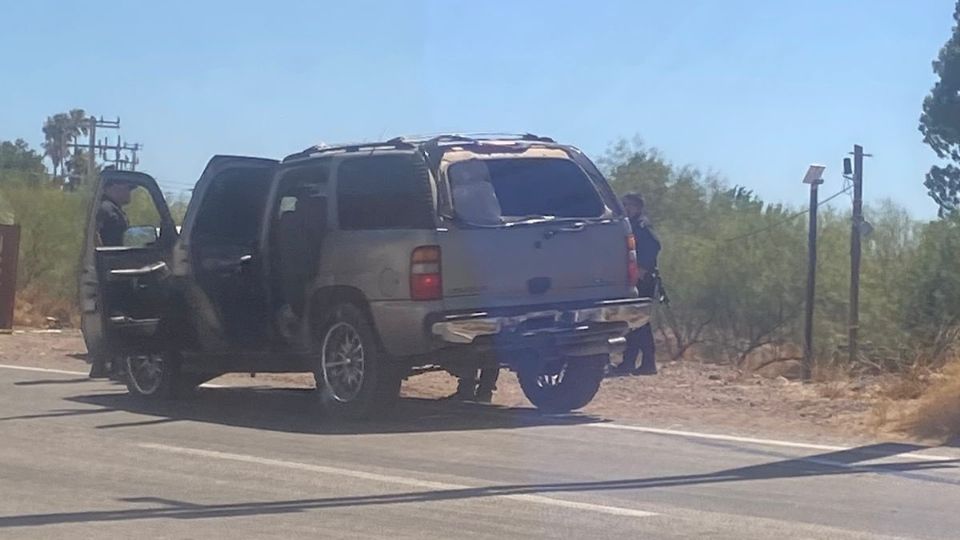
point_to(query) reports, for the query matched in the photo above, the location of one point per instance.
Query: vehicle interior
(225, 251)
(298, 225)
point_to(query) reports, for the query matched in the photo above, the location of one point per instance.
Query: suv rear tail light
(426, 281)
(633, 269)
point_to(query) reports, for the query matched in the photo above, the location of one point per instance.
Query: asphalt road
(78, 459)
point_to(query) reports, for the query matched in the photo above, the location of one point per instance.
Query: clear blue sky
(754, 90)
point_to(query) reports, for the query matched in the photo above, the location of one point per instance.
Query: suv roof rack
(411, 142)
(396, 143)
(478, 137)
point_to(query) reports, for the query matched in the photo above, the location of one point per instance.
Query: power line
(787, 219)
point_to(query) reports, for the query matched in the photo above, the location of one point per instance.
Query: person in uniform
(111, 219)
(640, 341)
(112, 223)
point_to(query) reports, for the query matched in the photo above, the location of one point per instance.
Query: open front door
(123, 276)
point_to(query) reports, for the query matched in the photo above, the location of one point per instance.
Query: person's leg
(630, 353)
(648, 365)
(466, 374)
(488, 383)
(466, 386)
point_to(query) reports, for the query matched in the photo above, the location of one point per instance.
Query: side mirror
(140, 236)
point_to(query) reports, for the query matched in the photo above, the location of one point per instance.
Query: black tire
(152, 376)
(355, 378)
(561, 386)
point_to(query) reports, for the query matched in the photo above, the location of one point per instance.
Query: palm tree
(55, 140)
(60, 131)
(77, 125)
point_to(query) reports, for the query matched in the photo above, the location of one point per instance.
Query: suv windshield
(496, 191)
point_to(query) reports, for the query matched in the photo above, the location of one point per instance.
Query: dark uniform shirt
(648, 248)
(111, 223)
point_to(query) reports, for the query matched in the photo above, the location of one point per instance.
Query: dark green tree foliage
(736, 268)
(18, 156)
(60, 131)
(940, 123)
(932, 302)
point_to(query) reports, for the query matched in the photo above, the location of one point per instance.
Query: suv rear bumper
(572, 329)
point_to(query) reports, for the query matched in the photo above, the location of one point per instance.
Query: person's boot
(622, 370)
(645, 370)
(485, 395)
(465, 391)
(98, 369)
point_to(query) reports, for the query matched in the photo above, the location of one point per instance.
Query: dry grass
(34, 305)
(910, 385)
(938, 412)
(832, 380)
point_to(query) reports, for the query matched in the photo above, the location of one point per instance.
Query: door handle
(575, 228)
(140, 272)
(235, 265)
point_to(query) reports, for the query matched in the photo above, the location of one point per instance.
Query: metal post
(92, 152)
(853, 322)
(811, 284)
(9, 253)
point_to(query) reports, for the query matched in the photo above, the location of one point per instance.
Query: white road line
(43, 370)
(65, 372)
(765, 442)
(396, 480)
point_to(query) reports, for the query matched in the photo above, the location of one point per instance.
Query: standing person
(640, 341)
(112, 223)
(111, 219)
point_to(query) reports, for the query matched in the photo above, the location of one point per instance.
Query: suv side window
(233, 208)
(384, 192)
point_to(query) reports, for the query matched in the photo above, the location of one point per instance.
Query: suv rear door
(544, 234)
(221, 234)
(122, 287)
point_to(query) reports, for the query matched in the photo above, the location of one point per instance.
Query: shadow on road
(297, 411)
(44, 382)
(844, 462)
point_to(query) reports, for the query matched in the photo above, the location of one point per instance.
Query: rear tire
(355, 378)
(562, 385)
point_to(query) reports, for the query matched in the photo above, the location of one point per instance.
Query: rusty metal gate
(9, 253)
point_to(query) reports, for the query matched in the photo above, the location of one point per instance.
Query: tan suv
(365, 264)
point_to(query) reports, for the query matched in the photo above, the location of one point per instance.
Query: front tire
(151, 376)
(562, 385)
(354, 376)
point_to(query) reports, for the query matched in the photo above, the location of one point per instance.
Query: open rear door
(123, 275)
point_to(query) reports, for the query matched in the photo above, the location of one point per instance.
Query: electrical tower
(120, 155)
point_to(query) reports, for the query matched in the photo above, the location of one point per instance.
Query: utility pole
(814, 177)
(120, 149)
(92, 124)
(853, 322)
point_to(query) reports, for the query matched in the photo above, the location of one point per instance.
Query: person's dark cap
(120, 182)
(635, 198)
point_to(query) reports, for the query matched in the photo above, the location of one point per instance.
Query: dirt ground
(685, 395)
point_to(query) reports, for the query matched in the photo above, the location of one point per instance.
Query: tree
(20, 164)
(60, 131)
(17, 155)
(940, 123)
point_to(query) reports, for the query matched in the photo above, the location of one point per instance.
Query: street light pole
(814, 177)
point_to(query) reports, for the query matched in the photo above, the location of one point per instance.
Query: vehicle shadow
(830, 464)
(44, 382)
(298, 411)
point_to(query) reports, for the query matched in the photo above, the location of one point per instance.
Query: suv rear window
(522, 187)
(384, 192)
